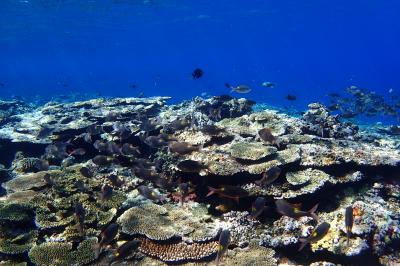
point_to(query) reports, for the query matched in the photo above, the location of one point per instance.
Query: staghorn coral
(178, 252)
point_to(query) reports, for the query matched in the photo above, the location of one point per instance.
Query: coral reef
(70, 118)
(175, 176)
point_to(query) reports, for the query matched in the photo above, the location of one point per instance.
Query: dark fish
(225, 207)
(87, 137)
(108, 235)
(44, 132)
(113, 148)
(142, 163)
(348, 218)
(80, 185)
(394, 130)
(215, 113)
(150, 124)
(164, 183)
(133, 86)
(334, 107)
(190, 166)
(150, 194)
(287, 209)
(122, 131)
(57, 150)
(86, 172)
(125, 249)
(211, 130)
(48, 179)
(184, 191)
(115, 180)
(223, 244)
(197, 73)
(156, 141)
(179, 124)
(316, 235)
(106, 192)
(230, 192)
(78, 152)
(112, 116)
(266, 135)
(80, 216)
(334, 95)
(269, 176)
(102, 160)
(128, 149)
(146, 174)
(291, 97)
(348, 114)
(258, 207)
(94, 129)
(51, 207)
(100, 146)
(182, 148)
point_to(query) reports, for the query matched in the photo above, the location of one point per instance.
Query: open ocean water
(280, 144)
(308, 48)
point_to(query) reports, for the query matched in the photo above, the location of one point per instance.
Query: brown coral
(178, 252)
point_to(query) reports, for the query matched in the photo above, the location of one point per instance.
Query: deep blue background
(307, 47)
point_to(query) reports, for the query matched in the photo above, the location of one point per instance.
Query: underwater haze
(308, 48)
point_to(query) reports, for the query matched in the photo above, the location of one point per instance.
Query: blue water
(308, 48)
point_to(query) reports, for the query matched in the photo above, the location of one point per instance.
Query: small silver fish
(239, 89)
